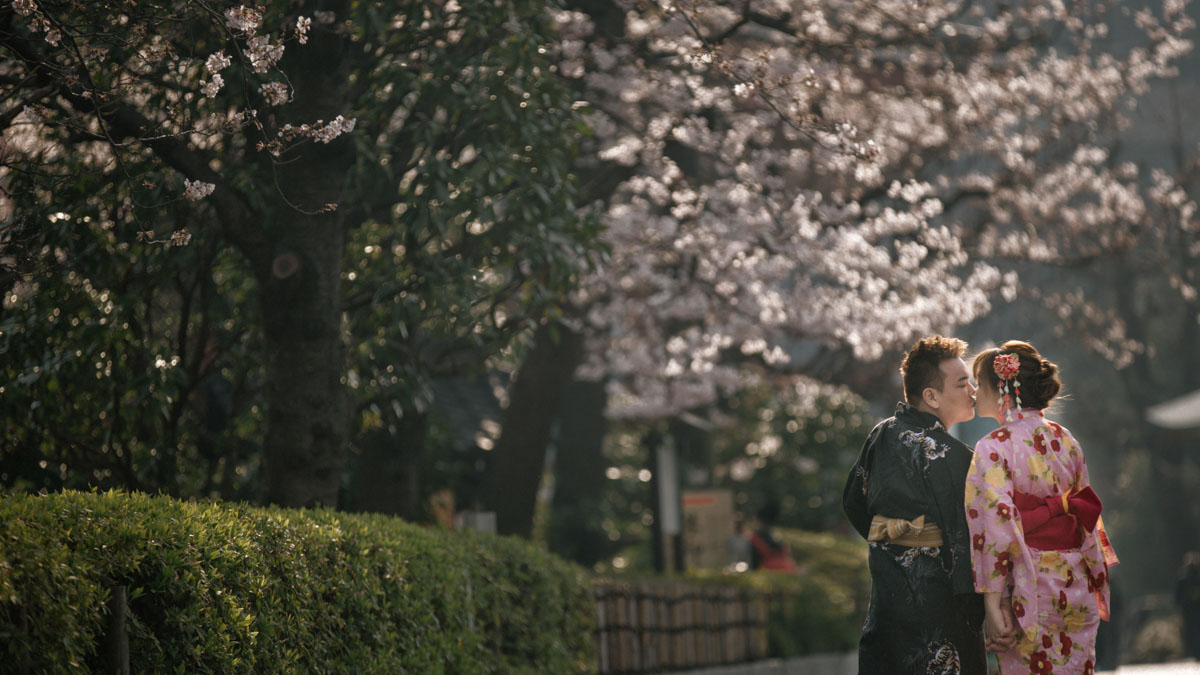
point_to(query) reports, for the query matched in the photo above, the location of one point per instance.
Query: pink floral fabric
(1059, 597)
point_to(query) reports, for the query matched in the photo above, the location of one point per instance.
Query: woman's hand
(1000, 626)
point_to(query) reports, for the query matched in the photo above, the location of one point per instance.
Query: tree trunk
(305, 397)
(516, 469)
(575, 531)
(387, 476)
(694, 445)
(301, 289)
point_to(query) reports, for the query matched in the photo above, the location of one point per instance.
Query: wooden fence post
(116, 642)
(601, 594)
(648, 627)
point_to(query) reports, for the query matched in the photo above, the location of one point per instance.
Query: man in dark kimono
(905, 496)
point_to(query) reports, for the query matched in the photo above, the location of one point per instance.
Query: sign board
(707, 528)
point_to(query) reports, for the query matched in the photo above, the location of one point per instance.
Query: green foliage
(472, 233)
(821, 607)
(626, 512)
(458, 214)
(231, 588)
(127, 364)
(791, 444)
(835, 567)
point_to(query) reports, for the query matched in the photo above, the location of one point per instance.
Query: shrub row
(821, 607)
(217, 587)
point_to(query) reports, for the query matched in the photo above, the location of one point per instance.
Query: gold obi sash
(914, 533)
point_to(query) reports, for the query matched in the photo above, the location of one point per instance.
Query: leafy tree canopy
(371, 194)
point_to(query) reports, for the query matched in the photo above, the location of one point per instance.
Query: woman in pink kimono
(1038, 549)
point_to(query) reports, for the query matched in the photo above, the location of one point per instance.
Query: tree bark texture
(517, 462)
(575, 531)
(305, 360)
(300, 284)
(387, 475)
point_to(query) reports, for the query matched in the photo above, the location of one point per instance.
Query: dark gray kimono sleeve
(854, 495)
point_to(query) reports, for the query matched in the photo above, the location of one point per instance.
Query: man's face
(956, 399)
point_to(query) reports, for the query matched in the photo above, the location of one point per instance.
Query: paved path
(1182, 668)
(847, 664)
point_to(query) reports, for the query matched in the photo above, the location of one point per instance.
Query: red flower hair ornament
(1006, 367)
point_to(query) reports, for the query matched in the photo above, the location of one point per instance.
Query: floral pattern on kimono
(1058, 597)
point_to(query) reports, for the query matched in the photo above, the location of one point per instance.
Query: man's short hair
(921, 367)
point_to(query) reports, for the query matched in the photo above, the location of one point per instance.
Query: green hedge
(217, 587)
(838, 590)
(821, 608)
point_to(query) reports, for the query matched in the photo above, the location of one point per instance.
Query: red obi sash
(1057, 523)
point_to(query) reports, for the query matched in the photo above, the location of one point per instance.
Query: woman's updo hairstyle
(1038, 376)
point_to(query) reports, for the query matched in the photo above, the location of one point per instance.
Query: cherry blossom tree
(785, 182)
(797, 171)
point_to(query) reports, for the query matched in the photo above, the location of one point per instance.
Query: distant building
(1178, 413)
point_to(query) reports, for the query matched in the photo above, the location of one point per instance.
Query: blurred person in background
(737, 545)
(767, 552)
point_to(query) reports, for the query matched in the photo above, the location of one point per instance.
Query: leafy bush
(821, 607)
(218, 587)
